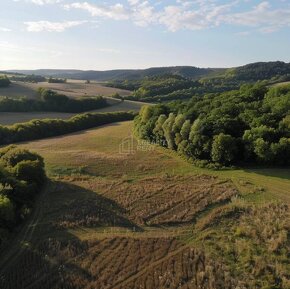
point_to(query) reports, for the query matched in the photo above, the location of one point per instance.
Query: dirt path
(9, 255)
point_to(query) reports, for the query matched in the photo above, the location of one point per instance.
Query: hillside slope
(120, 214)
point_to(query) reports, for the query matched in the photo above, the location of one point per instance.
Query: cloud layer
(39, 26)
(181, 15)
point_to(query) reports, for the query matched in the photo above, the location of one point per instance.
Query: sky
(118, 34)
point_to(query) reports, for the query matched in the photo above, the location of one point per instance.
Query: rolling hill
(185, 71)
(144, 218)
(253, 71)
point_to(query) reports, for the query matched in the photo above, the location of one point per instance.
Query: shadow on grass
(90, 209)
(45, 257)
(279, 172)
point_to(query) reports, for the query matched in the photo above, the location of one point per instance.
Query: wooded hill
(249, 72)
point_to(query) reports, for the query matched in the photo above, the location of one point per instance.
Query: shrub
(22, 176)
(4, 81)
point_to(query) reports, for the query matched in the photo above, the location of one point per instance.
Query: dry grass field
(73, 88)
(144, 218)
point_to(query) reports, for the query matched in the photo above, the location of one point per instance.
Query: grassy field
(121, 214)
(282, 83)
(73, 88)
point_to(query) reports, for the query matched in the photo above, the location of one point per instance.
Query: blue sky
(112, 34)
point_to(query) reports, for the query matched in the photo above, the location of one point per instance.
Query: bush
(22, 176)
(4, 81)
(56, 80)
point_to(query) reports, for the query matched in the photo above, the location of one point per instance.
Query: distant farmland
(73, 88)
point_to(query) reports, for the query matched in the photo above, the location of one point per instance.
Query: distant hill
(258, 71)
(247, 73)
(122, 74)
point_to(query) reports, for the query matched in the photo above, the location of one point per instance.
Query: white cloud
(116, 12)
(193, 15)
(40, 2)
(4, 29)
(261, 16)
(182, 14)
(7, 45)
(39, 26)
(109, 50)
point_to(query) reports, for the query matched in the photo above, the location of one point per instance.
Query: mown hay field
(72, 88)
(121, 214)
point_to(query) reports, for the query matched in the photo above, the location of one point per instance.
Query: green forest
(168, 87)
(249, 125)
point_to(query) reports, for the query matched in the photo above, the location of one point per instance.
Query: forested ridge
(168, 87)
(249, 125)
(249, 72)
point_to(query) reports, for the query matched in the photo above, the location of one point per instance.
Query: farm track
(24, 236)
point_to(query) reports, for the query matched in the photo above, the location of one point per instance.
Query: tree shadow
(277, 172)
(47, 259)
(81, 207)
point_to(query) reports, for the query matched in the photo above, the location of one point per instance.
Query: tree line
(57, 80)
(4, 81)
(22, 176)
(28, 78)
(249, 125)
(37, 129)
(51, 101)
